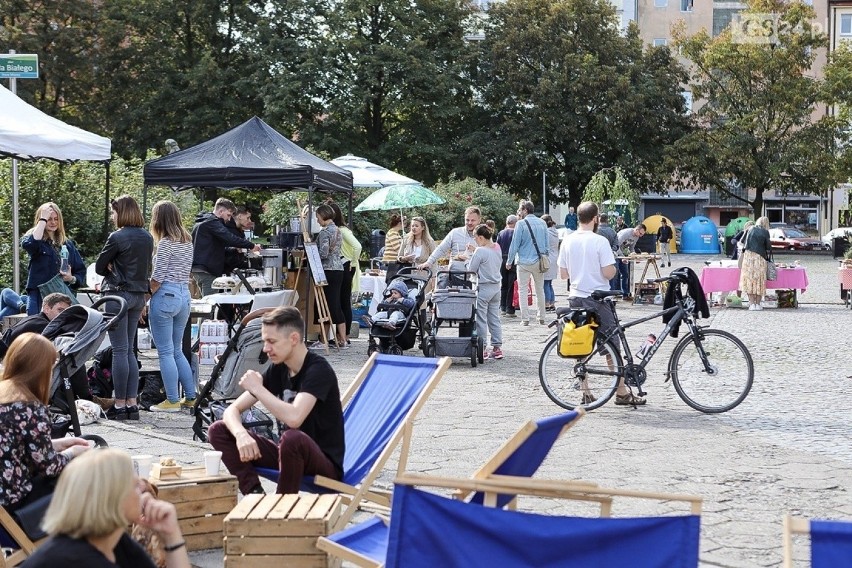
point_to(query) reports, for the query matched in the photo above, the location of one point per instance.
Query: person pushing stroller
(395, 307)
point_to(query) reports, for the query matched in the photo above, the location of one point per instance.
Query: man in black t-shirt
(300, 389)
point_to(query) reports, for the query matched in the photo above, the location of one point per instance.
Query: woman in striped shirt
(169, 309)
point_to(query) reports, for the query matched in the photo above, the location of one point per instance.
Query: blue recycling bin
(699, 236)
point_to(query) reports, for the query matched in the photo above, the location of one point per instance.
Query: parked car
(788, 238)
(828, 238)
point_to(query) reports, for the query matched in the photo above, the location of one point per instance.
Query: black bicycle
(712, 370)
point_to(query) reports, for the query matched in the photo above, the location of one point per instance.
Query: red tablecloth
(717, 279)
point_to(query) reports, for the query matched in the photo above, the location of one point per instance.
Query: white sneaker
(752, 307)
(758, 307)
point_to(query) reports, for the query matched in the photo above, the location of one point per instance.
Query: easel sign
(315, 262)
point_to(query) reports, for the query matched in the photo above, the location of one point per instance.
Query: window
(686, 5)
(660, 41)
(845, 24)
(661, 3)
(687, 99)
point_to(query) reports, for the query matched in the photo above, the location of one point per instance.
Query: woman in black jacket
(125, 264)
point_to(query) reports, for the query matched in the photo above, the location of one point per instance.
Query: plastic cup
(142, 465)
(212, 460)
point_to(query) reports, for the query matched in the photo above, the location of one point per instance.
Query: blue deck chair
(379, 410)
(521, 455)
(429, 530)
(831, 541)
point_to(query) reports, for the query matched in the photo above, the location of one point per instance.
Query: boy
(393, 316)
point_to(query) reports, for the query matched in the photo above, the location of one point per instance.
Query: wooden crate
(280, 530)
(202, 501)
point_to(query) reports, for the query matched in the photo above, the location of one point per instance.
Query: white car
(828, 238)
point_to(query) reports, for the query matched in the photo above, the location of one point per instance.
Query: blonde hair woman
(31, 460)
(47, 246)
(96, 499)
(169, 307)
(756, 254)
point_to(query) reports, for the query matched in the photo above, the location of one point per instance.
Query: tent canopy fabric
(26, 133)
(252, 155)
(368, 174)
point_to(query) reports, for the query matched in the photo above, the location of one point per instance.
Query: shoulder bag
(543, 261)
(771, 269)
(57, 285)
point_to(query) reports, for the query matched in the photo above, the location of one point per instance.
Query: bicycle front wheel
(729, 379)
(588, 382)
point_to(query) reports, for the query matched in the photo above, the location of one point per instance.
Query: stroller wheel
(99, 442)
(372, 348)
(394, 350)
(480, 350)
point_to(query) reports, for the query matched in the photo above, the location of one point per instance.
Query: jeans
(125, 368)
(295, 456)
(507, 287)
(10, 303)
(167, 317)
(665, 253)
(549, 294)
(624, 276)
(525, 272)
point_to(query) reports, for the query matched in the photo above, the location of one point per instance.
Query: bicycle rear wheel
(588, 382)
(730, 378)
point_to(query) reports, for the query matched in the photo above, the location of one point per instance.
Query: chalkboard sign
(315, 262)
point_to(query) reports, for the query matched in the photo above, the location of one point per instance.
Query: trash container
(840, 246)
(699, 236)
(377, 241)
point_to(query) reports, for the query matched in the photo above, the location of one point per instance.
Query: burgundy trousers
(295, 456)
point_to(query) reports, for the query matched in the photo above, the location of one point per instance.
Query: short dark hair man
(210, 237)
(51, 306)
(239, 223)
(313, 443)
(664, 237)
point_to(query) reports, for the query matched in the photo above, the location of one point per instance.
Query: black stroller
(453, 304)
(243, 351)
(401, 337)
(77, 334)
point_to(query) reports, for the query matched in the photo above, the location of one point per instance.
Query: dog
(146, 537)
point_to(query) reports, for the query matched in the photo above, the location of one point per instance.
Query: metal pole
(16, 230)
(543, 193)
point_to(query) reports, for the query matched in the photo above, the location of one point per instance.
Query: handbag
(771, 269)
(543, 261)
(57, 285)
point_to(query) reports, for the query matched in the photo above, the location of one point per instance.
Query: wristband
(43, 219)
(174, 547)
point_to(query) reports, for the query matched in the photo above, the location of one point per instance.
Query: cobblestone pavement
(786, 448)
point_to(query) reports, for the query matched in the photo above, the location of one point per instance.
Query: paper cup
(212, 459)
(142, 465)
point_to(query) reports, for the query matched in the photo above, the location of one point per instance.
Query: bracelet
(43, 219)
(174, 547)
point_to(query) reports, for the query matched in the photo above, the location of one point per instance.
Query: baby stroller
(77, 334)
(243, 351)
(455, 305)
(402, 336)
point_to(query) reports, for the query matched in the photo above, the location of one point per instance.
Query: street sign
(18, 66)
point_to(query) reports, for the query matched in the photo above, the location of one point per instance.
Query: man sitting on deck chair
(300, 390)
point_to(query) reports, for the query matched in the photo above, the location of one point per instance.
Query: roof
(254, 156)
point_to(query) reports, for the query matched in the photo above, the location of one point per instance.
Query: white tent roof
(368, 174)
(27, 133)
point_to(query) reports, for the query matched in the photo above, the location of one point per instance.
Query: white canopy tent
(368, 174)
(26, 133)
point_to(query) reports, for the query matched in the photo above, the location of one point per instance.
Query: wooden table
(202, 501)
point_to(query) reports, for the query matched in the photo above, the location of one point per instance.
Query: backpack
(100, 374)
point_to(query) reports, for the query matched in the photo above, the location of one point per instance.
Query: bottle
(649, 342)
(63, 255)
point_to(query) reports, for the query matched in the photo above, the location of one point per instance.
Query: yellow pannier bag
(577, 333)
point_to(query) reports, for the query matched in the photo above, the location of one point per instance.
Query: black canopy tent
(251, 156)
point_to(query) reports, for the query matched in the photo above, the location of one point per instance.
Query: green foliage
(612, 185)
(758, 124)
(79, 190)
(567, 93)
(495, 202)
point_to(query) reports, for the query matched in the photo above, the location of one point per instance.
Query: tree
(378, 78)
(610, 184)
(761, 121)
(565, 92)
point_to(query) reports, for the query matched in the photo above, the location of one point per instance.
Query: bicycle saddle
(601, 294)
